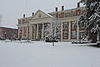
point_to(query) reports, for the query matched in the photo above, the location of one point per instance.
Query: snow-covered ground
(41, 54)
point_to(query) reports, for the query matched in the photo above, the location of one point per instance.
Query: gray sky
(11, 10)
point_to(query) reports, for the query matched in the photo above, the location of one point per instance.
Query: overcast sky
(11, 10)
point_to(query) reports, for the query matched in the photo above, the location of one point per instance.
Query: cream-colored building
(35, 26)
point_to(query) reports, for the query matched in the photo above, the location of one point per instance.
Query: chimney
(32, 14)
(62, 8)
(56, 9)
(23, 15)
(78, 5)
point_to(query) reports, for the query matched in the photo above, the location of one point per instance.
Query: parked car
(24, 39)
(50, 40)
(1, 38)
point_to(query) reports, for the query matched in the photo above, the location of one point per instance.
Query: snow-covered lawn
(41, 54)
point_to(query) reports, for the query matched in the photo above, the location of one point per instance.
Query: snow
(42, 54)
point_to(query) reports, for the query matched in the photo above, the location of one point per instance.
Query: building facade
(35, 27)
(8, 33)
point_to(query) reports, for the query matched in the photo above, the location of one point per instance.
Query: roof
(8, 28)
(67, 10)
(53, 12)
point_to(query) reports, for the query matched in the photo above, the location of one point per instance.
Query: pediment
(40, 14)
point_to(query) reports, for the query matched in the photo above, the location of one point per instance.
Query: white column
(34, 31)
(42, 31)
(22, 32)
(77, 31)
(61, 31)
(30, 32)
(69, 37)
(18, 32)
(27, 34)
(37, 31)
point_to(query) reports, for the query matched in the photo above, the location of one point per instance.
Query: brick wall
(8, 33)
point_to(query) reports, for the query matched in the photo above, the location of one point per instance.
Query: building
(34, 27)
(8, 33)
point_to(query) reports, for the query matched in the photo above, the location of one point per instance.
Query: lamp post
(54, 27)
(53, 30)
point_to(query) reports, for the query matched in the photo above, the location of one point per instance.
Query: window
(25, 29)
(73, 30)
(73, 25)
(33, 29)
(65, 35)
(73, 34)
(40, 26)
(73, 13)
(61, 15)
(65, 30)
(65, 25)
(20, 32)
(67, 14)
(78, 12)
